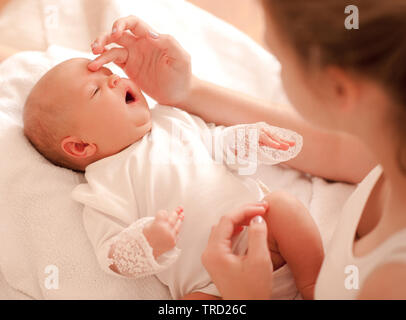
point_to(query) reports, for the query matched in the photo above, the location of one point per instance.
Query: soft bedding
(41, 232)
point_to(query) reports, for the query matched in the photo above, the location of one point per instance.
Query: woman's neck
(395, 205)
(381, 143)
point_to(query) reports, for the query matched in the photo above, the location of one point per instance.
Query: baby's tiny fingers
(283, 145)
(178, 225)
(179, 210)
(174, 216)
(290, 143)
(162, 215)
(267, 133)
(266, 141)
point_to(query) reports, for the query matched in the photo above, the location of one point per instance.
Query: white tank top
(342, 274)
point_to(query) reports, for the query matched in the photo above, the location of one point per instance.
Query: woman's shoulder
(388, 281)
(373, 176)
(358, 199)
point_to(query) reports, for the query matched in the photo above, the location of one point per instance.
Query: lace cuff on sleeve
(133, 256)
(240, 144)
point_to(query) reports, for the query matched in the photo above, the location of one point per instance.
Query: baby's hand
(243, 135)
(268, 139)
(163, 232)
(261, 142)
(156, 62)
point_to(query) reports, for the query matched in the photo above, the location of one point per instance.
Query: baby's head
(74, 117)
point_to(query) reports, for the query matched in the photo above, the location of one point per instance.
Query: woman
(353, 81)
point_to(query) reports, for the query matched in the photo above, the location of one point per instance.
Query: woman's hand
(240, 277)
(156, 62)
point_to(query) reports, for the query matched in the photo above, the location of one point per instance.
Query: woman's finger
(126, 40)
(116, 55)
(225, 228)
(238, 227)
(170, 45)
(138, 27)
(258, 240)
(98, 44)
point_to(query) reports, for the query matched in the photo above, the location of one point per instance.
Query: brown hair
(377, 50)
(44, 127)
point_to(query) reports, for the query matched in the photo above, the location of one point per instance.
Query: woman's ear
(345, 89)
(78, 149)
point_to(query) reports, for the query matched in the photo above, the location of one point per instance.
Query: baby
(140, 164)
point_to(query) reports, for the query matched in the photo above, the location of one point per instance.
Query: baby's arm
(140, 250)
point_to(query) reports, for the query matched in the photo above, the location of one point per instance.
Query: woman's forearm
(327, 154)
(223, 106)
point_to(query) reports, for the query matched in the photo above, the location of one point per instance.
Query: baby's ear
(76, 148)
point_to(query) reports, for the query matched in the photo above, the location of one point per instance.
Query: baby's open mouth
(129, 97)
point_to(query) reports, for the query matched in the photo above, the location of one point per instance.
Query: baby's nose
(113, 80)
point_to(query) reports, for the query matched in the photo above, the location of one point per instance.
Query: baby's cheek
(142, 117)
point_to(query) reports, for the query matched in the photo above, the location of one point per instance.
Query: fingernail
(114, 30)
(264, 203)
(153, 34)
(257, 219)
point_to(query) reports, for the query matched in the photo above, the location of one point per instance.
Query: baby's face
(105, 110)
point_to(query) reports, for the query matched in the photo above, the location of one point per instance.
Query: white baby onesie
(173, 165)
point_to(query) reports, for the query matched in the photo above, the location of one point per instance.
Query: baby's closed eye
(95, 91)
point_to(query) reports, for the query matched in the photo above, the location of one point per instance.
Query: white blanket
(40, 225)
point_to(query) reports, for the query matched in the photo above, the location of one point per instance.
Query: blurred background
(30, 16)
(246, 15)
